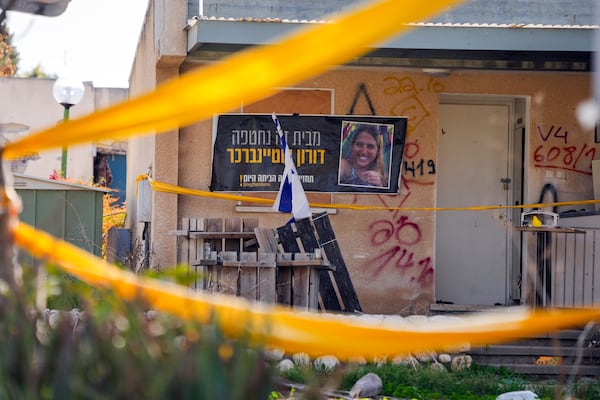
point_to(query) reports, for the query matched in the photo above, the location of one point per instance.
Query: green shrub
(477, 382)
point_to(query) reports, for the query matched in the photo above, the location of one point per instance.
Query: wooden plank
(232, 225)
(195, 245)
(287, 238)
(212, 273)
(212, 255)
(222, 235)
(183, 251)
(305, 279)
(285, 275)
(307, 261)
(266, 277)
(178, 232)
(183, 243)
(283, 280)
(266, 239)
(248, 225)
(248, 286)
(314, 276)
(327, 290)
(300, 283)
(306, 234)
(214, 225)
(340, 274)
(237, 264)
(193, 256)
(228, 277)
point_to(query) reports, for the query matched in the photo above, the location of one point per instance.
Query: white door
(473, 166)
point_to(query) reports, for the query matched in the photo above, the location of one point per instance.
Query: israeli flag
(291, 197)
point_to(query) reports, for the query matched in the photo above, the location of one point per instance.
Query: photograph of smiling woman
(365, 154)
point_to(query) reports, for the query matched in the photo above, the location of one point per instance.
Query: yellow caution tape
(249, 76)
(244, 77)
(168, 188)
(345, 336)
(174, 189)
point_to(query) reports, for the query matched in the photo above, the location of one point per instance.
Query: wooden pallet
(298, 264)
(330, 288)
(221, 255)
(298, 271)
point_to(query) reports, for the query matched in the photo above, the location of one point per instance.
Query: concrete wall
(558, 150)
(161, 49)
(140, 151)
(382, 286)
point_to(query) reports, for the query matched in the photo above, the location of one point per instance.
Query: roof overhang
(469, 46)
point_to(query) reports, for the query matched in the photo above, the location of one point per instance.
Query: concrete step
(552, 356)
(445, 309)
(533, 355)
(515, 350)
(550, 371)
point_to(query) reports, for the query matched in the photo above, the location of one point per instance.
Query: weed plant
(110, 349)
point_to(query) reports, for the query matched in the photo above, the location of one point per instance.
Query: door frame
(518, 145)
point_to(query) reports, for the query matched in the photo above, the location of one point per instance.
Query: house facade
(491, 94)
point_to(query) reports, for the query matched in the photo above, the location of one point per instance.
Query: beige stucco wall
(405, 282)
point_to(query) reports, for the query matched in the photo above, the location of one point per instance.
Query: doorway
(480, 153)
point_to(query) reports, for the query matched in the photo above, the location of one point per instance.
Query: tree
(37, 72)
(9, 56)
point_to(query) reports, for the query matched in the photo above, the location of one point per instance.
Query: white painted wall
(29, 102)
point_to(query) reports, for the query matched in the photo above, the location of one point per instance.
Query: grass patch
(422, 383)
(120, 350)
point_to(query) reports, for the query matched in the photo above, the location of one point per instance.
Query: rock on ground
(369, 385)
(520, 395)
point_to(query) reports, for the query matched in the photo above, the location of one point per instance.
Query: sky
(93, 40)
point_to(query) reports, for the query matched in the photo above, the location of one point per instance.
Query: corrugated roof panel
(504, 12)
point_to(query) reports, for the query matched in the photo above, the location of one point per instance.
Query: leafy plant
(477, 382)
(111, 349)
(113, 215)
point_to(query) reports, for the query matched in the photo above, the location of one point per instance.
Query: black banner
(332, 153)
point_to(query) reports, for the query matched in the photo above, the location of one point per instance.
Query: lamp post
(67, 92)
